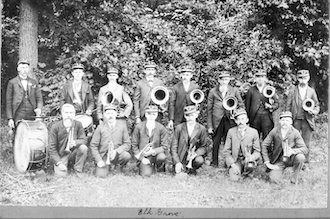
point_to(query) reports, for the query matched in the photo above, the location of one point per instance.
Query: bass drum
(87, 123)
(31, 141)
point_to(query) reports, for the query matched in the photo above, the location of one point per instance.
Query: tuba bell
(107, 98)
(230, 103)
(308, 104)
(196, 96)
(269, 91)
(160, 95)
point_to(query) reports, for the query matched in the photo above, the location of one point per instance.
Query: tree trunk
(28, 34)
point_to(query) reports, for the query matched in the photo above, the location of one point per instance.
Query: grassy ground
(211, 188)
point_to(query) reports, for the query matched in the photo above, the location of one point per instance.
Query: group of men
(112, 147)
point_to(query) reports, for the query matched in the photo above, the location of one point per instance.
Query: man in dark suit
(142, 92)
(23, 97)
(303, 120)
(78, 92)
(218, 118)
(258, 107)
(110, 144)
(189, 136)
(67, 143)
(180, 97)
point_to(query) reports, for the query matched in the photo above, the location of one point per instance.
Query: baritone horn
(160, 95)
(230, 103)
(269, 91)
(108, 98)
(308, 104)
(196, 96)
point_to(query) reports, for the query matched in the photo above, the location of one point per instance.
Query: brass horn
(160, 95)
(230, 103)
(269, 91)
(108, 98)
(308, 104)
(196, 96)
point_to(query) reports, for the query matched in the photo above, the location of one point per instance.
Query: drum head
(22, 147)
(85, 120)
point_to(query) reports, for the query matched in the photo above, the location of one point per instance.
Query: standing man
(142, 93)
(258, 107)
(150, 138)
(67, 143)
(23, 97)
(120, 97)
(189, 143)
(180, 97)
(284, 147)
(303, 120)
(242, 147)
(78, 92)
(218, 118)
(110, 144)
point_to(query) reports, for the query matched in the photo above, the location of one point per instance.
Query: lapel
(28, 87)
(194, 132)
(217, 90)
(70, 89)
(238, 134)
(18, 81)
(83, 91)
(184, 133)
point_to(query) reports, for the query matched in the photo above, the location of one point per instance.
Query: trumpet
(308, 104)
(146, 148)
(70, 139)
(160, 95)
(191, 155)
(196, 96)
(285, 150)
(110, 151)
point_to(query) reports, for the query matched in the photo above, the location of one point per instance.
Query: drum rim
(21, 161)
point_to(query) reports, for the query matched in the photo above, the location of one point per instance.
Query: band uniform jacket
(293, 100)
(118, 93)
(15, 94)
(58, 138)
(142, 95)
(272, 145)
(102, 136)
(253, 100)
(215, 109)
(180, 141)
(159, 135)
(248, 142)
(179, 99)
(86, 93)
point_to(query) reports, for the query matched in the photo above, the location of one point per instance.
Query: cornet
(308, 104)
(146, 148)
(196, 96)
(285, 150)
(70, 139)
(191, 155)
(110, 151)
(160, 95)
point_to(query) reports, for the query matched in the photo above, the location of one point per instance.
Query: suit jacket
(103, 135)
(159, 135)
(179, 99)
(142, 95)
(15, 94)
(180, 141)
(272, 145)
(118, 93)
(234, 142)
(58, 138)
(86, 93)
(253, 100)
(215, 109)
(293, 100)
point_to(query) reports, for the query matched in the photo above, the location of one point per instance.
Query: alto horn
(196, 96)
(107, 98)
(269, 91)
(308, 104)
(160, 95)
(230, 103)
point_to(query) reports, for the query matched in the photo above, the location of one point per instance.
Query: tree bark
(28, 34)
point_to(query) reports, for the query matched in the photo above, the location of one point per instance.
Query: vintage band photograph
(164, 109)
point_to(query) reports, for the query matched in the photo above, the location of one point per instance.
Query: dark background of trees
(241, 36)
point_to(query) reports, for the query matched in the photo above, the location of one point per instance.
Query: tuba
(230, 103)
(160, 95)
(107, 98)
(268, 91)
(196, 96)
(308, 104)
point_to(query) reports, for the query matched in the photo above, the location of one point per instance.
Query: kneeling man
(284, 147)
(110, 143)
(242, 147)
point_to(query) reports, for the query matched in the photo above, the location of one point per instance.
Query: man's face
(151, 116)
(23, 70)
(78, 74)
(260, 79)
(186, 76)
(285, 122)
(241, 120)
(150, 73)
(110, 115)
(303, 80)
(191, 117)
(224, 81)
(68, 113)
(112, 77)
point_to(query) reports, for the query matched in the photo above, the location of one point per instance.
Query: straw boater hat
(78, 66)
(302, 73)
(109, 107)
(150, 65)
(189, 109)
(285, 114)
(112, 70)
(151, 108)
(238, 112)
(23, 61)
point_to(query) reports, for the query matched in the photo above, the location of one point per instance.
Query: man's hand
(235, 169)
(62, 167)
(88, 112)
(170, 124)
(311, 112)
(138, 120)
(11, 123)
(37, 111)
(178, 168)
(145, 161)
(101, 164)
(100, 121)
(290, 152)
(149, 152)
(210, 131)
(72, 144)
(272, 166)
(113, 155)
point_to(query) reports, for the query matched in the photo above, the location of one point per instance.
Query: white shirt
(150, 126)
(77, 85)
(223, 90)
(112, 125)
(190, 128)
(260, 88)
(186, 86)
(24, 83)
(302, 91)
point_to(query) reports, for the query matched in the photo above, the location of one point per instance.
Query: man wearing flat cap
(242, 147)
(110, 143)
(218, 118)
(260, 108)
(23, 96)
(188, 147)
(150, 141)
(180, 97)
(142, 92)
(118, 97)
(303, 103)
(78, 92)
(284, 147)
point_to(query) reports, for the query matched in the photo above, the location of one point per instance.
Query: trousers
(306, 133)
